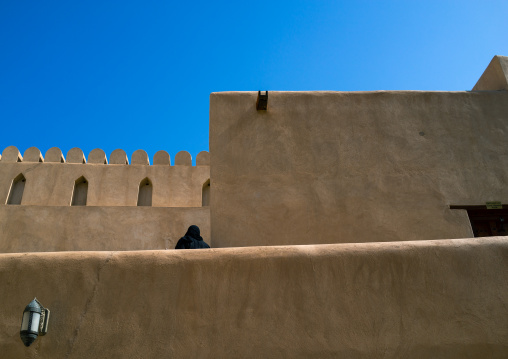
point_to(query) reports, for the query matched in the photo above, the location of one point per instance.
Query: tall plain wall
(425, 299)
(333, 167)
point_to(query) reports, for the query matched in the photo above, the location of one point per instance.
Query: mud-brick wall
(84, 228)
(46, 220)
(425, 299)
(333, 167)
(51, 181)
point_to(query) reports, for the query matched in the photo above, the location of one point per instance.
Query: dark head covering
(194, 232)
(191, 240)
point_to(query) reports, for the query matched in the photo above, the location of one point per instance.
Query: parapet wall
(50, 179)
(426, 299)
(98, 156)
(85, 228)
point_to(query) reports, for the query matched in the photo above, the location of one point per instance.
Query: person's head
(193, 232)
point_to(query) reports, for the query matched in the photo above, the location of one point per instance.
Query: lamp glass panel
(24, 322)
(35, 322)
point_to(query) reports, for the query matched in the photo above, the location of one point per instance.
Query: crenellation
(97, 156)
(76, 155)
(54, 155)
(11, 154)
(118, 157)
(161, 158)
(32, 154)
(140, 157)
(183, 158)
(203, 159)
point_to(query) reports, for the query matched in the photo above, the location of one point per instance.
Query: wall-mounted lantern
(262, 101)
(34, 322)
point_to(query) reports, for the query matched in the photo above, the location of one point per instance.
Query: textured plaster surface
(52, 184)
(32, 154)
(75, 155)
(324, 167)
(425, 299)
(140, 157)
(11, 154)
(84, 228)
(118, 157)
(183, 158)
(161, 158)
(97, 156)
(203, 159)
(55, 155)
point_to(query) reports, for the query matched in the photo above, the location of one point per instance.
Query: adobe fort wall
(84, 228)
(51, 182)
(334, 167)
(115, 213)
(425, 299)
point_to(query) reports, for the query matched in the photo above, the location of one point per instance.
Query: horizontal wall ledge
(427, 299)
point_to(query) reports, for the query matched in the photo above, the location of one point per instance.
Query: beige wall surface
(425, 299)
(495, 76)
(52, 184)
(80, 228)
(328, 167)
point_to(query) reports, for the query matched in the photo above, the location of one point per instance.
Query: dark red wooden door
(488, 222)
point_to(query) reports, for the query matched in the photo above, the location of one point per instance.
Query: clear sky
(138, 74)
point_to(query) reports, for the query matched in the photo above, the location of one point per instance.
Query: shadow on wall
(206, 194)
(16, 190)
(145, 193)
(80, 192)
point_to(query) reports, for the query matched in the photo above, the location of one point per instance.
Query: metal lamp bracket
(43, 324)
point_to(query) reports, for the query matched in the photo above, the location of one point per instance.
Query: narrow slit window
(145, 193)
(205, 197)
(80, 192)
(17, 189)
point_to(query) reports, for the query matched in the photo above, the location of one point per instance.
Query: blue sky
(138, 74)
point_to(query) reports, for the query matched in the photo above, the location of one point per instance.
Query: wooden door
(488, 222)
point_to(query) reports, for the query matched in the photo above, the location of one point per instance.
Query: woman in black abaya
(192, 240)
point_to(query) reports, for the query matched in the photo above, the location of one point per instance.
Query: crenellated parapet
(53, 179)
(97, 156)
